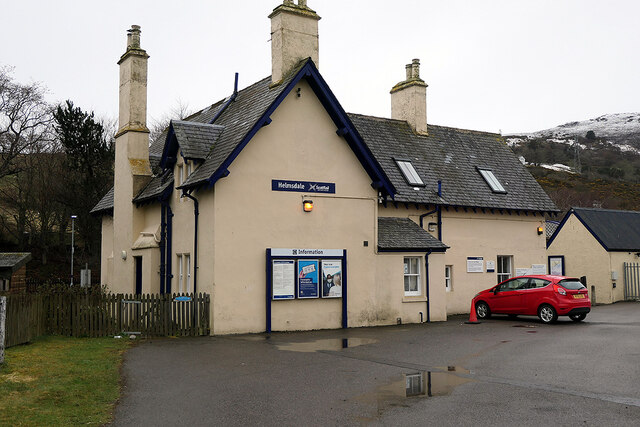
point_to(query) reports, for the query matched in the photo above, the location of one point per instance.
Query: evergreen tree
(89, 162)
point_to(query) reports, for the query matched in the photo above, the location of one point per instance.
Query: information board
(308, 278)
(284, 279)
(331, 278)
(475, 264)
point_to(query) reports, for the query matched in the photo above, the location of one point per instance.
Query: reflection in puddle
(524, 326)
(334, 344)
(414, 385)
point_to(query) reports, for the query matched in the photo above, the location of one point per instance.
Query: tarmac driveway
(501, 372)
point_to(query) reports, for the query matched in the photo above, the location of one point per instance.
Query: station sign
(303, 186)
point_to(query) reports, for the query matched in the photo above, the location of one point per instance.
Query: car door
(532, 296)
(509, 296)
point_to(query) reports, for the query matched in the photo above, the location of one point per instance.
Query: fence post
(3, 316)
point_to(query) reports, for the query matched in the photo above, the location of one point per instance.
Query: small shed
(13, 271)
(601, 244)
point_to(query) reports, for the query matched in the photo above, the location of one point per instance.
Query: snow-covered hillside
(621, 130)
(608, 126)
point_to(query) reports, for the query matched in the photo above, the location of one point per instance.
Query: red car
(544, 296)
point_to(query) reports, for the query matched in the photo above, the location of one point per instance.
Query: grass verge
(60, 381)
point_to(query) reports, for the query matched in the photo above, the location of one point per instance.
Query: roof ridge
(428, 125)
(604, 210)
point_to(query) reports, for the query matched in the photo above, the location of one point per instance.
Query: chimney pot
(415, 69)
(409, 99)
(133, 37)
(302, 3)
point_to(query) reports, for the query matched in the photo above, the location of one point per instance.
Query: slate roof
(241, 116)
(196, 140)
(14, 260)
(615, 230)
(452, 156)
(404, 235)
(105, 205)
(447, 154)
(154, 189)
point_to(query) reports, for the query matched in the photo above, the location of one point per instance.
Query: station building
(294, 214)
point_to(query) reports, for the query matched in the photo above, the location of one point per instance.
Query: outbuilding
(602, 245)
(13, 271)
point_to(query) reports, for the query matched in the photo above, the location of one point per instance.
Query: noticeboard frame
(312, 255)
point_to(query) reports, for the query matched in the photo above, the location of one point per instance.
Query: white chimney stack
(294, 37)
(409, 99)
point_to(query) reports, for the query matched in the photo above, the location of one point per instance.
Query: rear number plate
(578, 296)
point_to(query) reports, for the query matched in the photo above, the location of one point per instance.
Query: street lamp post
(73, 223)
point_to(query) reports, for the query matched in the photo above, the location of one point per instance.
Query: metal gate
(631, 281)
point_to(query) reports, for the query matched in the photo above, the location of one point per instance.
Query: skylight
(491, 179)
(409, 173)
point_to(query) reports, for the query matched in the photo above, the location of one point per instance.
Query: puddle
(524, 326)
(331, 344)
(416, 385)
(532, 332)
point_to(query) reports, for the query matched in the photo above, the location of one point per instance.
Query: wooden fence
(84, 314)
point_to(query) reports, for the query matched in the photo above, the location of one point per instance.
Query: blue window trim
(345, 128)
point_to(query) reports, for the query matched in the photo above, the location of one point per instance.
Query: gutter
(426, 266)
(196, 213)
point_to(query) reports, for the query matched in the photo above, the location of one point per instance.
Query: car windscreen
(571, 284)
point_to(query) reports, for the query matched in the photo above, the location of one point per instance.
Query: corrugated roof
(402, 234)
(615, 230)
(452, 156)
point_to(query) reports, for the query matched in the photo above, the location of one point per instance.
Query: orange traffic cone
(473, 319)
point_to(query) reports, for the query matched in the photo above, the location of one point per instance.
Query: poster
(475, 264)
(491, 266)
(538, 269)
(308, 278)
(556, 265)
(284, 279)
(331, 279)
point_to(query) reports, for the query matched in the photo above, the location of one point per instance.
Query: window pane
(406, 283)
(413, 283)
(409, 172)
(491, 179)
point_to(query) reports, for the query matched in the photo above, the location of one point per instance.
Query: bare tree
(179, 111)
(25, 119)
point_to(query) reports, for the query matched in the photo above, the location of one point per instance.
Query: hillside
(593, 162)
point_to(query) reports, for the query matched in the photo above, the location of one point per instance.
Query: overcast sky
(510, 66)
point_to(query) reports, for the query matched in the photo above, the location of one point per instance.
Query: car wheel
(482, 310)
(547, 314)
(578, 317)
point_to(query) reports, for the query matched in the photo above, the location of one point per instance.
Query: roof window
(409, 173)
(491, 179)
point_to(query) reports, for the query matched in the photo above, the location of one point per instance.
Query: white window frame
(491, 180)
(504, 275)
(417, 274)
(448, 273)
(409, 172)
(187, 261)
(180, 273)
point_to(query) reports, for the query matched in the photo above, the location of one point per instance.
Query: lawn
(60, 381)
